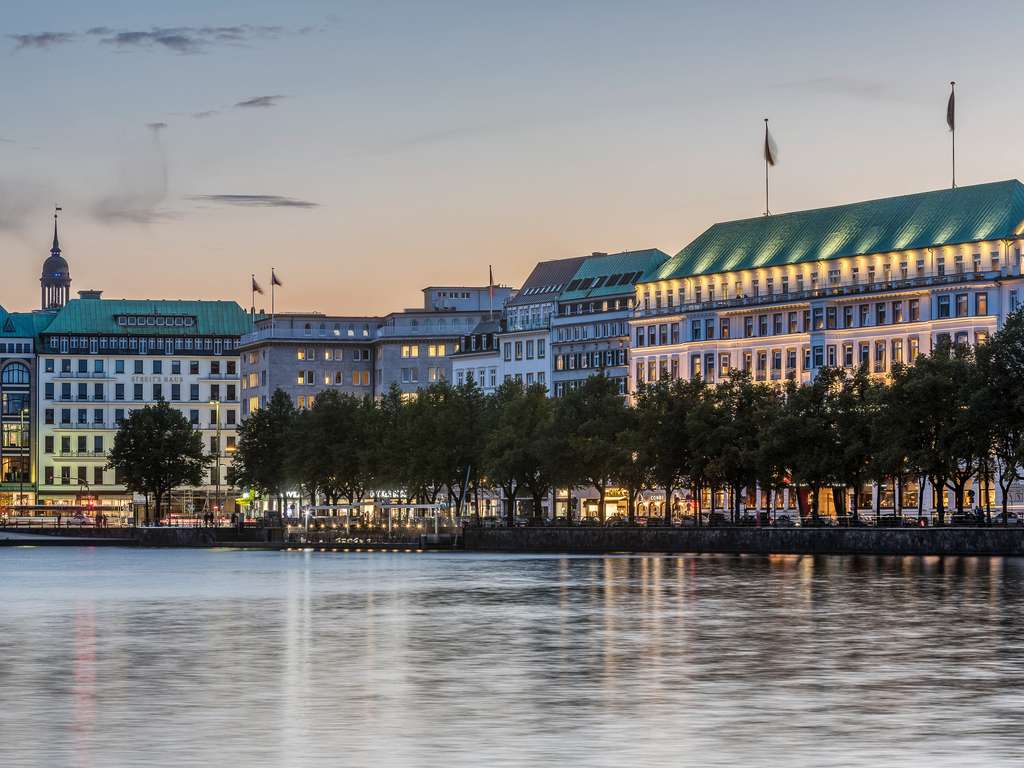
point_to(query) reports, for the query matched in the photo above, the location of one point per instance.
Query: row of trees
(951, 417)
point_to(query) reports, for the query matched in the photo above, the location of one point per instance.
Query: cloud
(21, 201)
(831, 85)
(141, 191)
(7, 141)
(185, 40)
(255, 201)
(41, 40)
(261, 101)
(205, 114)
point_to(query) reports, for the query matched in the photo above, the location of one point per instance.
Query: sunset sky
(366, 150)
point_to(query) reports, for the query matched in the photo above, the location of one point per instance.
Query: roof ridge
(904, 196)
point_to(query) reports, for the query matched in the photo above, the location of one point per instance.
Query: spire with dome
(56, 278)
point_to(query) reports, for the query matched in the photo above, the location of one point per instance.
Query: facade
(413, 348)
(590, 332)
(873, 283)
(525, 354)
(99, 359)
(478, 357)
(305, 354)
(17, 412)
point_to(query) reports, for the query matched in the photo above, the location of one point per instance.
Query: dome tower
(56, 279)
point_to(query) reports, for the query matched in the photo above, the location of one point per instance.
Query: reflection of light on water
(83, 696)
(174, 658)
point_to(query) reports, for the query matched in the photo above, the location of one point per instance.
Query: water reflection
(188, 658)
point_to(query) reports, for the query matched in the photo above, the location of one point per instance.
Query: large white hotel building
(874, 283)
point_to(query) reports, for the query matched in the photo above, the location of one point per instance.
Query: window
(158, 366)
(897, 311)
(15, 373)
(847, 316)
(748, 327)
(136, 391)
(914, 345)
(723, 328)
(137, 367)
(540, 349)
(914, 310)
(943, 307)
(961, 305)
(695, 330)
(880, 314)
(981, 303)
(508, 348)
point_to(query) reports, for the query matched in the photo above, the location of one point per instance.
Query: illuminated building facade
(873, 283)
(99, 359)
(590, 332)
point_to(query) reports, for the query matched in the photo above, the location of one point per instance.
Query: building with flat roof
(304, 354)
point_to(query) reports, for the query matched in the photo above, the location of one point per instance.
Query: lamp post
(23, 444)
(216, 456)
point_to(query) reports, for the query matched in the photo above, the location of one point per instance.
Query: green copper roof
(964, 215)
(23, 325)
(212, 318)
(611, 274)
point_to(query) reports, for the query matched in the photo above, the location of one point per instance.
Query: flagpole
(766, 168)
(952, 92)
(252, 286)
(273, 312)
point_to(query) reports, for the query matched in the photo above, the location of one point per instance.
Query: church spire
(56, 243)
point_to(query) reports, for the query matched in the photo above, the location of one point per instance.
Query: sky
(368, 149)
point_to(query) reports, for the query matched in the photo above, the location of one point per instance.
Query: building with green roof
(865, 285)
(98, 359)
(590, 329)
(844, 271)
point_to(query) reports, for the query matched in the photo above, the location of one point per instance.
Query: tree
(854, 404)
(741, 408)
(1000, 405)
(805, 436)
(928, 416)
(505, 457)
(635, 469)
(155, 451)
(261, 457)
(593, 416)
(662, 411)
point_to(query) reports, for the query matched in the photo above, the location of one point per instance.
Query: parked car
(590, 522)
(783, 521)
(716, 518)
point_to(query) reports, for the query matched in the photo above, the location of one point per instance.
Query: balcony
(832, 291)
(79, 455)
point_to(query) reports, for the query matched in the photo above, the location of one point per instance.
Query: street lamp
(216, 455)
(23, 444)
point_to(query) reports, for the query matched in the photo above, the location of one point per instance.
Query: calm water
(117, 657)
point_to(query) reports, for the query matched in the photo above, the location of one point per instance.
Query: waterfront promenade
(990, 540)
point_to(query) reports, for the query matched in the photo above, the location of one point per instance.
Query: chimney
(89, 294)
(599, 253)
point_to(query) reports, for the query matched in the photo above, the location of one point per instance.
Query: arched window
(15, 373)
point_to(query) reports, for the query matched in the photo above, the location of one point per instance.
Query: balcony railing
(847, 289)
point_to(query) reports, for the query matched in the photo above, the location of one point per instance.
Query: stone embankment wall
(814, 541)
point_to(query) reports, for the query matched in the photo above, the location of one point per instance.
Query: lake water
(123, 657)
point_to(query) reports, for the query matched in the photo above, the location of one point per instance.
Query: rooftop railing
(829, 291)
